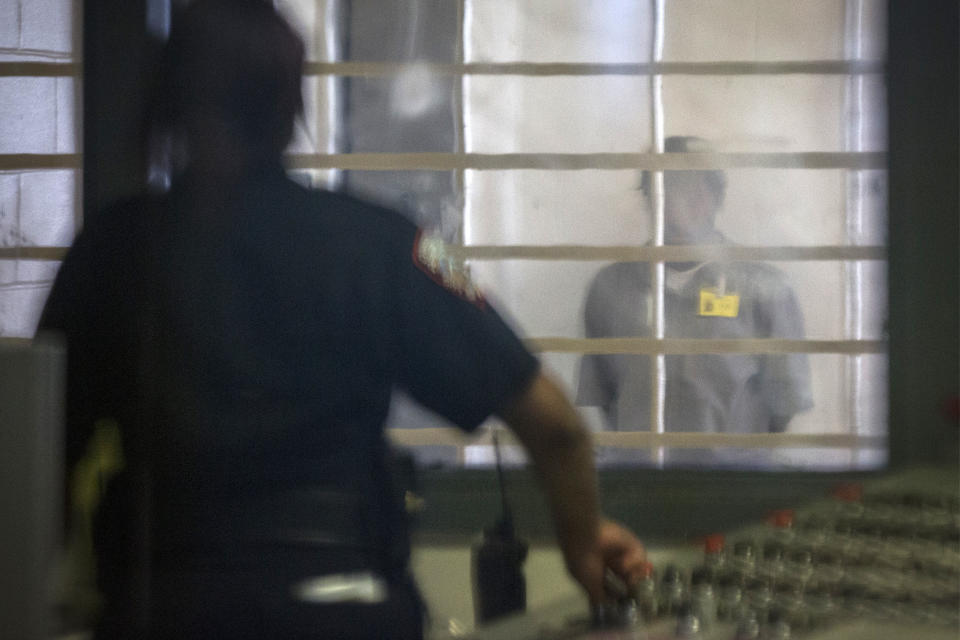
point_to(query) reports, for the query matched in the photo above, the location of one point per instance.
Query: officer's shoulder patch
(432, 256)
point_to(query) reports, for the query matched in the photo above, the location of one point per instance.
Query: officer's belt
(318, 518)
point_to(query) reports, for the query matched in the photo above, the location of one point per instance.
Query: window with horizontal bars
(521, 132)
(40, 156)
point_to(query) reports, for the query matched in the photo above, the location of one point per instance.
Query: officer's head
(691, 198)
(229, 80)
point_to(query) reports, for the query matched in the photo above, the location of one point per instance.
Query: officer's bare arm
(561, 449)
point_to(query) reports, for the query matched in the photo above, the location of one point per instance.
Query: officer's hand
(614, 548)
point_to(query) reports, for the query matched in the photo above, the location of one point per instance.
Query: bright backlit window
(39, 152)
(523, 133)
(542, 140)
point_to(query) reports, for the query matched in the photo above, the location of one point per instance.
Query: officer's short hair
(715, 179)
(239, 58)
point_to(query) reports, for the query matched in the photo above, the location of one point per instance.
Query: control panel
(874, 563)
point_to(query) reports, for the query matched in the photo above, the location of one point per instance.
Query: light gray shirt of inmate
(712, 393)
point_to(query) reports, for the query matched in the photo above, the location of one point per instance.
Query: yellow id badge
(717, 306)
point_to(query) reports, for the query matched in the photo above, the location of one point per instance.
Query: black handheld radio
(499, 587)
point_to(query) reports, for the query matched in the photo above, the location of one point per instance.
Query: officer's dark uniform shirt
(712, 393)
(255, 348)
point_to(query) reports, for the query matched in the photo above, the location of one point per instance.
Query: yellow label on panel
(711, 304)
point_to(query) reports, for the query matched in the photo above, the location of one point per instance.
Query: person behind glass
(709, 393)
(240, 336)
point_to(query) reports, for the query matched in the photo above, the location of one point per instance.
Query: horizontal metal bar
(34, 161)
(692, 346)
(543, 161)
(18, 53)
(41, 69)
(387, 69)
(33, 253)
(731, 68)
(587, 253)
(6, 342)
(673, 253)
(736, 440)
(446, 436)
(439, 161)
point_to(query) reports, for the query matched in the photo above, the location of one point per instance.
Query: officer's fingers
(617, 540)
(588, 571)
(633, 565)
(623, 552)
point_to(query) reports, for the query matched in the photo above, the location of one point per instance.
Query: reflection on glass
(20, 307)
(795, 113)
(547, 296)
(766, 30)
(710, 393)
(704, 393)
(761, 207)
(777, 201)
(607, 31)
(533, 207)
(557, 114)
(429, 198)
(36, 115)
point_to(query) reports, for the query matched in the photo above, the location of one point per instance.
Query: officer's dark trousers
(229, 569)
(212, 602)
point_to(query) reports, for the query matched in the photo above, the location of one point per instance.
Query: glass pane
(46, 25)
(47, 202)
(316, 21)
(715, 393)
(402, 31)
(37, 115)
(429, 198)
(9, 205)
(411, 112)
(20, 307)
(765, 207)
(37, 208)
(790, 113)
(760, 207)
(870, 375)
(28, 115)
(554, 207)
(589, 114)
(868, 291)
(780, 459)
(542, 298)
(27, 272)
(694, 30)
(783, 207)
(739, 394)
(38, 30)
(67, 116)
(787, 300)
(516, 114)
(869, 207)
(753, 30)
(316, 131)
(867, 95)
(872, 30)
(558, 31)
(772, 30)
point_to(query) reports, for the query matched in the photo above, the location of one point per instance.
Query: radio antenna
(506, 522)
